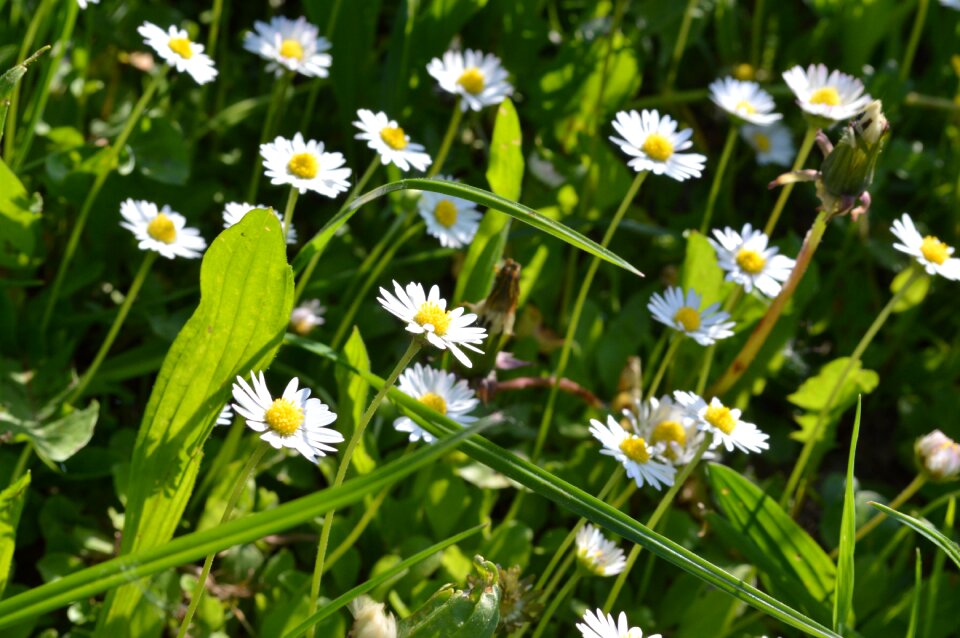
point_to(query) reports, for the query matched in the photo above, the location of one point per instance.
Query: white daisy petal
(745, 101)
(682, 312)
(835, 96)
(290, 45)
(596, 624)
(723, 423)
(390, 141)
(935, 256)
(749, 261)
(653, 143)
(452, 220)
(773, 144)
(305, 166)
(162, 231)
(478, 79)
(641, 459)
(438, 390)
(176, 49)
(597, 554)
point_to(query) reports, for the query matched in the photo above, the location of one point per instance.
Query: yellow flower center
(745, 107)
(284, 417)
(743, 71)
(592, 559)
(669, 431)
(394, 137)
(472, 80)
(719, 416)
(433, 314)
(934, 250)
(181, 46)
(825, 95)
(291, 49)
(434, 402)
(446, 212)
(750, 261)
(303, 165)
(688, 318)
(162, 229)
(636, 449)
(762, 142)
(657, 147)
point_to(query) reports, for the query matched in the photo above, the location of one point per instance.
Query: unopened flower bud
(306, 317)
(370, 620)
(938, 456)
(848, 170)
(497, 312)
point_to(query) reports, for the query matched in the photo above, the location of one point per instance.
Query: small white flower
(931, 253)
(306, 317)
(773, 144)
(305, 166)
(597, 554)
(163, 231)
(939, 456)
(226, 415)
(951, 4)
(744, 100)
(370, 619)
(390, 142)
(233, 212)
(177, 50)
(428, 317)
(478, 79)
(84, 3)
(749, 261)
(829, 94)
(288, 44)
(293, 421)
(641, 459)
(544, 170)
(653, 143)
(599, 625)
(723, 423)
(438, 390)
(452, 220)
(682, 312)
(664, 423)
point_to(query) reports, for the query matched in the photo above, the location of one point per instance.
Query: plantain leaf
(843, 601)
(352, 398)
(701, 271)
(19, 225)
(925, 528)
(11, 504)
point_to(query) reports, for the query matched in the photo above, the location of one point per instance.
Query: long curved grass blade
(938, 538)
(917, 589)
(363, 588)
(584, 505)
(129, 568)
(843, 599)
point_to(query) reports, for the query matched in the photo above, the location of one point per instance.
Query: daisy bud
(370, 620)
(848, 170)
(518, 603)
(938, 456)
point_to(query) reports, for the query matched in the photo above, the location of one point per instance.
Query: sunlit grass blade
(843, 599)
(11, 505)
(381, 578)
(582, 504)
(925, 528)
(917, 590)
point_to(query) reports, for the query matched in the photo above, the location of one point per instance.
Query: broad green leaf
(19, 226)
(816, 391)
(701, 271)
(352, 398)
(61, 438)
(246, 293)
(843, 601)
(915, 294)
(459, 613)
(927, 529)
(11, 504)
(505, 172)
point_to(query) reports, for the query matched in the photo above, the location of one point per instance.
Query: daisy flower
(162, 230)
(176, 49)
(749, 261)
(233, 212)
(226, 415)
(292, 45)
(653, 143)
(304, 166)
(85, 3)
(931, 253)
(951, 4)
(452, 220)
(744, 100)
(641, 459)
(293, 421)
(390, 142)
(478, 79)
(723, 423)
(597, 625)
(597, 554)
(938, 455)
(832, 95)
(438, 390)
(307, 316)
(666, 424)
(428, 317)
(773, 144)
(682, 312)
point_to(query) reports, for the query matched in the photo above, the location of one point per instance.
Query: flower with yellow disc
(723, 423)
(934, 255)
(390, 141)
(478, 79)
(827, 94)
(642, 459)
(654, 143)
(292, 45)
(682, 312)
(179, 51)
(452, 220)
(305, 166)
(438, 390)
(161, 230)
(750, 261)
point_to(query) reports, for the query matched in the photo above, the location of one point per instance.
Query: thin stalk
(914, 39)
(712, 349)
(269, 127)
(577, 310)
(452, 129)
(138, 280)
(664, 363)
(756, 34)
(368, 513)
(936, 574)
(679, 46)
(22, 461)
(554, 604)
(238, 486)
(725, 155)
(216, 15)
(315, 85)
(103, 170)
(808, 447)
(38, 18)
(288, 211)
(405, 359)
(809, 137)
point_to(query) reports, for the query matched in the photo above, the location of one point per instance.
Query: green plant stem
(901, 498)
(808, 138)
(756, 34)
(238, 486)
(311, 103)
(728, 306)
(368, 513)
(810, 444)
(22, 461)
(269, 128)
(725, 155)
(554, 604)
(288, 211)
(664, 364)
(654, 519)
(933, 592)
(104, 167)
(914, 39)
(405, 359)
(577, 310)
(215, 17)
(452, 129)
(679, 46)
(312, 264)
(132, 293)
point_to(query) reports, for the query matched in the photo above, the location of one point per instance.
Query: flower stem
(132, 293)
(809, 137)
(452, 129)
(854, 360)
(712, 349)
(756, 34)
(215, 16)
(104, 167)
(269, 127)
(411, 351)
(725, 155)
(914, 39)
(554, 604)
(238, 486)
(288, 211)
(679, 46)
(664, 363)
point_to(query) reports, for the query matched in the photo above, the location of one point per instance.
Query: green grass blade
(917, 590)
(925, 528)
(585, 505)
(11, 505)
(843, 600)
(363, 588)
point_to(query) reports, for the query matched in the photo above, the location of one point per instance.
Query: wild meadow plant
(618, 397)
